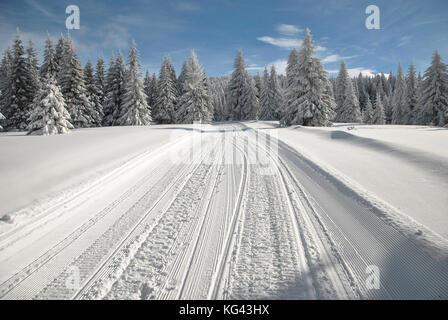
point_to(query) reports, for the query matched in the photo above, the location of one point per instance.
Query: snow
(304, 222)
(406, 166)
(35, 168)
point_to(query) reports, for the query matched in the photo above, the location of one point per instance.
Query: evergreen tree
(147, 87)
(250, 103)
(135, 109)
(100, 81)
(182, 78)
(412, 93)
(49, 67)
(342, 82)
(49, 115)
(309, 101)
(5, 77)
(164, 110)
(237, 89)
(275, 93)
(115, 91)
(152, 98)
(73, 87)
(93, 94)
(400, 105)
(195, 103)
(258, 84)
(33, 67)
(378, 112)
(59, 55)
(433, 104)
(368, 112)
(350, 109)
(20, 89)
(266, 111)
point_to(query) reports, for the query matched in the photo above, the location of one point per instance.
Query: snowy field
(241, 210)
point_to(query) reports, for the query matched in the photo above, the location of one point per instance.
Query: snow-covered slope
(405, 166)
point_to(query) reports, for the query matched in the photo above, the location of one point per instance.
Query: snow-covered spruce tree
(276, 93)
(292, 76)
(217, 87)
(114, 91)
(147, 86)
(100, 81)
(93, 94)
(400, 104)
(378, 116)
(33, 67)
(412, 93)
(433, 104)
(311, 105)
(49, 115)
(195, 103)
(342, 82)
(134, 106)
(59, 55)
(49, 67)
(250, 103)
(5, 77)
(237, 89)
(168, 94)
(73, 87)
(182, 77)
(258, 84)
(20, 89)
(152, 98)
(266, 111)
(350, 111)
(2, 117)
(368, 112)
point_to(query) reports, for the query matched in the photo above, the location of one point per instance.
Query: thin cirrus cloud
(354, 72)
(288, 29)
(335, 58)
(286, 43)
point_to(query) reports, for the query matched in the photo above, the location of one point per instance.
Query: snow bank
(37, 168)
(405, 166)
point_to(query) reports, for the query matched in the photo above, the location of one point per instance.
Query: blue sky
(410, 31)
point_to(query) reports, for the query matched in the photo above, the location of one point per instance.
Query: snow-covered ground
(187, 211)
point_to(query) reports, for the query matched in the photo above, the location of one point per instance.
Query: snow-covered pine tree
(100, 81)
(258, 84)
(5, 77)
(2, 117)
(236, 89)
(350, 111)
(342, 82)
(311, 105)
(217, 87)
(20, 89)
(378, 112)
(276, 93)
(93, 94)
(73, 87)
(147, 86)
(33, 67)
(266, 111)
(250, 103)
(292, 75)
(168, 94)
(195, 103)
(134, 106)
(49, 115)
(59, 55)
(182, 77)
(433, 104)
(400, 104)
(49, 66)
(412, 93)
(152, 98)
(368, 112)
(114, 91)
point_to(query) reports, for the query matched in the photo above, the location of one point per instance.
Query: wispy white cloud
(335, 58)
(354, 72)
(36, 5)
(288, 29)
(404, 40)
(281, 42)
